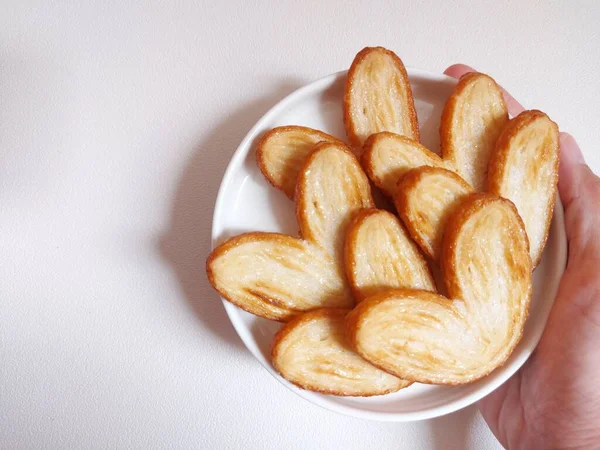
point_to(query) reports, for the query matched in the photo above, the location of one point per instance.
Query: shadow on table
(452, 432)
(186, 243)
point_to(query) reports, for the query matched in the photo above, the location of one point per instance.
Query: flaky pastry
(472, 120)
(424, 337)
(312, 352)
(388, 156)
(524, 169)
(380, 256)
(282, 151)
(378, 97)
(277, 276)
(425, 199)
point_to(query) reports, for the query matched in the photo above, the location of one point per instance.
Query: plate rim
(319, 399)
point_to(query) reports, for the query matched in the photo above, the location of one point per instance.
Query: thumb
(579, 191)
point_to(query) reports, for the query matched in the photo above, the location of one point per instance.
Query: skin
(553, 401)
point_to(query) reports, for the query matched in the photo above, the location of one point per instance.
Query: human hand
(553, 401)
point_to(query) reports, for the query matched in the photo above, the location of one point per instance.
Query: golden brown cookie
(312, 352)
(472, 120)
(425, 199)
(388, 156)
(282, 151)
(524, 169)
(378, 97)
(424, 337)
(380, 255)
(277, 276)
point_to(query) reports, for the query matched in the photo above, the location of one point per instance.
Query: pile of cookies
(363, 315)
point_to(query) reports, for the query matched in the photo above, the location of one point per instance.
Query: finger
(514, 107)
(458, 70)
(579, 191)
(570, 169)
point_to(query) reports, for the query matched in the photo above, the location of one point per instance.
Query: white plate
(246, 202)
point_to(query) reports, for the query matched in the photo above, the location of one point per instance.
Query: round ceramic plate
(246, 202)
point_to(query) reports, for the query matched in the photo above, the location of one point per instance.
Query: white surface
(247, 202)
(116, 124)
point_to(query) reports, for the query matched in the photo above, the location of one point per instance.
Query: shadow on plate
(429, 94)
(278, 201)
(186, 243)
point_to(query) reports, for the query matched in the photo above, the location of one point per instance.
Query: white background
(116, 124)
